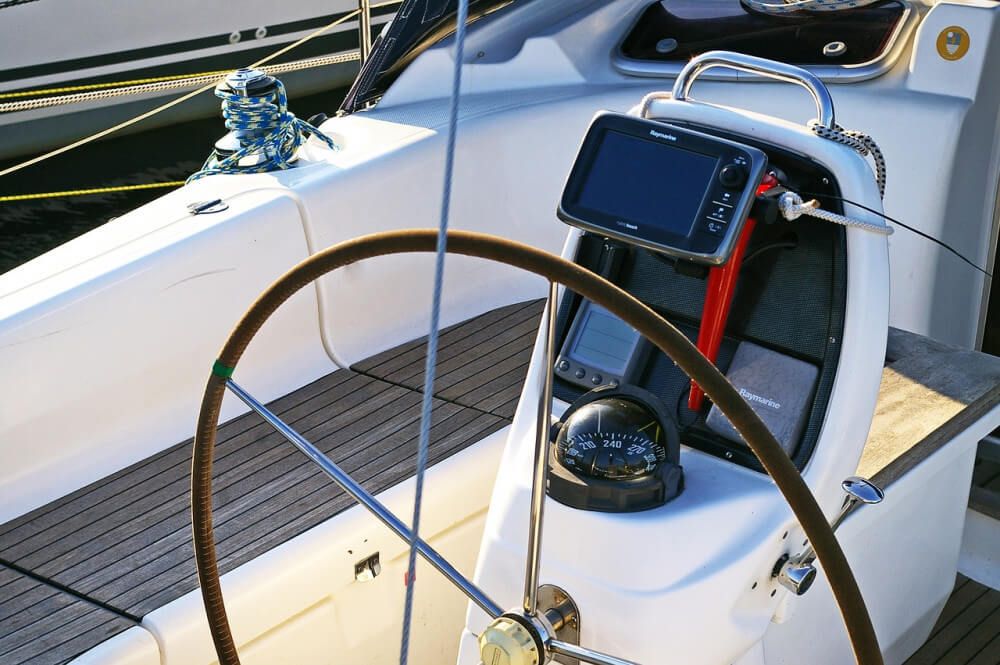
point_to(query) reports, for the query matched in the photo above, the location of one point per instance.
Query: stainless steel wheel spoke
(585, 654)
(365, 498)
(541, 462)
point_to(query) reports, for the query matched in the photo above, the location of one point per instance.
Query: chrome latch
(798, 573)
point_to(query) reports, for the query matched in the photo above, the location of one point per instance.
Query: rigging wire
(432, 337)
(920, 233)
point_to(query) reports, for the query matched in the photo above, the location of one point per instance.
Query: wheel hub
(507, 642)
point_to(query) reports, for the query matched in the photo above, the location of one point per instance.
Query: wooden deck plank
(481, 363)
(143, 549)
(91, 523)
(962, 595)
(41, 625)
(989, 654)
(412, 354)
(968, 626)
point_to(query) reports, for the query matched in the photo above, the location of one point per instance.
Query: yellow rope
(173, 102)
(87, 192)
(109, 84)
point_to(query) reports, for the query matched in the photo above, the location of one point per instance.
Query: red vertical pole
(719, 298)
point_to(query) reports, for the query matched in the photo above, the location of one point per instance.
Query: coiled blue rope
(265, 127)
(432, 338)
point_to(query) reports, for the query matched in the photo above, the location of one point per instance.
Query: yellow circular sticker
(953, 43)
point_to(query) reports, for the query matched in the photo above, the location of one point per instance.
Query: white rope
(792, 207)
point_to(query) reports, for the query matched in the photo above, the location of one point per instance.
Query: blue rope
(267, 128)
(432, 338)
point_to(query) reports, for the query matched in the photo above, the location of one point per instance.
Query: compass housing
(616, 450)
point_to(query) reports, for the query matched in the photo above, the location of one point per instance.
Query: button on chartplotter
(720, 212)
(716, 228)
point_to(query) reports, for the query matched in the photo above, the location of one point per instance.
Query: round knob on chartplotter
(733, 176)
(507, 642)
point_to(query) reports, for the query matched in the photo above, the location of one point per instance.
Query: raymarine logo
(750, 397)
(661, 135)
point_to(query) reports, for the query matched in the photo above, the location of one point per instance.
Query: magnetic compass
(611, 438)
(616, 450)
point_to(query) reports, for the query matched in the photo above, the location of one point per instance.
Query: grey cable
(432, 337)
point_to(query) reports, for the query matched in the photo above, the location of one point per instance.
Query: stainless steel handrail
(541, 462)
(762, 67)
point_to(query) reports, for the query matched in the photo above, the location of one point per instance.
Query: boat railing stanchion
(364, 29)
(541, 461)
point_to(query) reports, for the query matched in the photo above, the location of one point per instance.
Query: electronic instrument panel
(671, 190)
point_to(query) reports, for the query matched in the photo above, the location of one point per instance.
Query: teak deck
(90, 565)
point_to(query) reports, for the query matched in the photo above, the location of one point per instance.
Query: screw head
(667, 45)
(834, 49)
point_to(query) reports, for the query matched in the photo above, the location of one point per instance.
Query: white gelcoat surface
(136, 646)
(980, 557)
(105, 360)
(904, 553)
(936, 124)
(514, 153)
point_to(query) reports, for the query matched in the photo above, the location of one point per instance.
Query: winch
(263, 134)
(245, 83)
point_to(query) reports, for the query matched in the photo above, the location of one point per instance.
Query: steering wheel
(558, 271)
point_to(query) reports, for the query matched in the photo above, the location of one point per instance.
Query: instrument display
(672, 190)
(600, 349)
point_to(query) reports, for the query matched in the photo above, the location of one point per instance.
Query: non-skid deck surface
(968, 631)
(930, 392)
(125, 541)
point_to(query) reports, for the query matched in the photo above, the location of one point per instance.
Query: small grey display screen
(603, 341)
